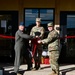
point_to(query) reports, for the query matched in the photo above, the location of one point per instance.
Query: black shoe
(19, 74)
(29, 69)
(38, 68)
(34, 69)
(13, 73)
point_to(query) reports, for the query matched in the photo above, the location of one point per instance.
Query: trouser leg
(29, 63)
(54, 55)
(28, 59)
(37, 56)
(37, 59)
(17, 61)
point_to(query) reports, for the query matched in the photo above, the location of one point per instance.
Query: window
(70, 21)
(30, 15)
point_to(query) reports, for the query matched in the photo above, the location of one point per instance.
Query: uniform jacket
(37, 29)
(52, 40)
(21, 40)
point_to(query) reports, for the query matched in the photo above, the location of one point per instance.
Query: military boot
(52, 73)
(18, 73)
(57, 73)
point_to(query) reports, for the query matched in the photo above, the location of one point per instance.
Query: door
(8, 27)
(67, 23)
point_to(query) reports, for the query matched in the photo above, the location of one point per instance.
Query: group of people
(36, 34)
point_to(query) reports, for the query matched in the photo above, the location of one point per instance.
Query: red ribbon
(7, 37)
(67, 37)
(34, 40)
(34, 44)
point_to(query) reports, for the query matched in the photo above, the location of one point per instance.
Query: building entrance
(8, 27)
(67, 23)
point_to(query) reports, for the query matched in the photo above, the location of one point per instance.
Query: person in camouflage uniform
(53, 48)
(38, 52)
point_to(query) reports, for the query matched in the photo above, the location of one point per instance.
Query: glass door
(67, 23)
(8, 27)
(71, 32)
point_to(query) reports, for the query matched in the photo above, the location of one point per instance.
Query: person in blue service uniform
(21, 48)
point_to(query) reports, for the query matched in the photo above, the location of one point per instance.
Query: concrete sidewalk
(45, 69)
(67, 69)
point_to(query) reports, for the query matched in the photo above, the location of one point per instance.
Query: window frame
(39, 14)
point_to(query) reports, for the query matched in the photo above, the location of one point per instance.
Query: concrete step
(71, 73)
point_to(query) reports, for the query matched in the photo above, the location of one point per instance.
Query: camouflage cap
(50, 24)
(38, 19)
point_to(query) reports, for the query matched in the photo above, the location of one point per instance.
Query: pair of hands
(40, 42)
